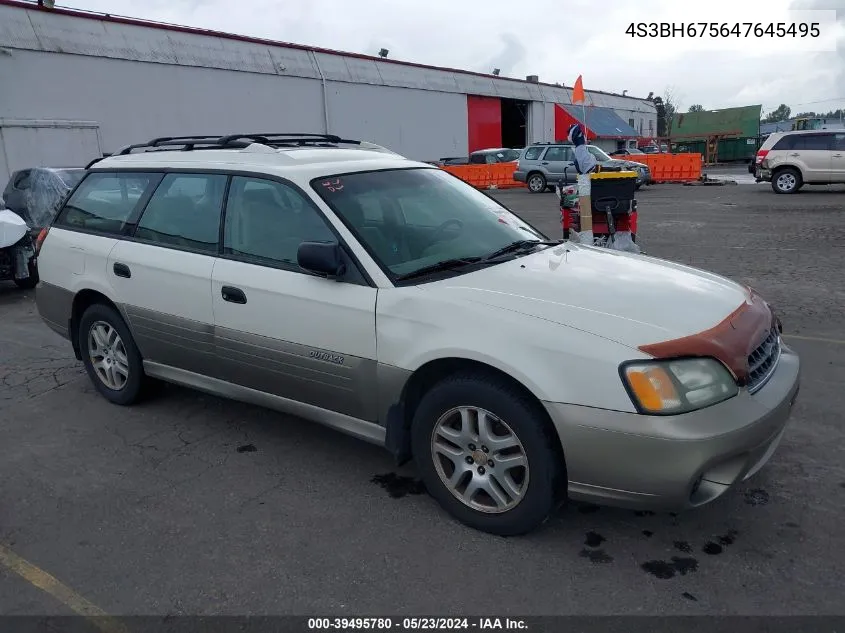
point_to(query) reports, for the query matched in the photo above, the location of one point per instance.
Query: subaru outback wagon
(342, 283)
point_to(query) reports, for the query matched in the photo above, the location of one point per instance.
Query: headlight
(677, 386)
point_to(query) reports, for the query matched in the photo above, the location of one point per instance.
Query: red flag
(578, 91)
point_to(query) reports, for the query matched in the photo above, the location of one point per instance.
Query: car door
(813, 153)
(162, 276)
(555, 162)
(837, 161)
(279, 329)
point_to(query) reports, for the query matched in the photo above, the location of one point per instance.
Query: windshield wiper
(446, 264)
(520, 245)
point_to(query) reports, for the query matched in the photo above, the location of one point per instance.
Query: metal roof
(107, 35)
(743, 122)
(603, 122)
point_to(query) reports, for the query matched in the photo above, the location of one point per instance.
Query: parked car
(629, 151)
(17, 250)
(483, 157)
(340, 282)
(790, 160)
(542, 165)
(35, 193)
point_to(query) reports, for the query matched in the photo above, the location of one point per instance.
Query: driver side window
(266, 221)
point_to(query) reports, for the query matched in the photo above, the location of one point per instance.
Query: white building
(77, 82)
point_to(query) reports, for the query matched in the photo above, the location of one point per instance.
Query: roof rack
(274, 140)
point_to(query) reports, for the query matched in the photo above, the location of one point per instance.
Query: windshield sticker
(333, 185)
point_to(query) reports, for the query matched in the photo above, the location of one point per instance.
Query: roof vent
(534, 79)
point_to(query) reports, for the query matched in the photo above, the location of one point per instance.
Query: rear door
(837, 161)
(556, 161)
(811, 153)
(162, 276)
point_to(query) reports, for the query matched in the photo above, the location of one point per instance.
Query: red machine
(614, 206)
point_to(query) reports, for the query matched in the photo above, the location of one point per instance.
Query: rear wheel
(536, 183)
(787, 180)
(110, 355)
(485, 455)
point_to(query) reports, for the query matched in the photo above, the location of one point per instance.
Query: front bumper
(519, 176)
(674, 462)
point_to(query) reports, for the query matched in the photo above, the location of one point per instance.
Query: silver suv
(542, 165)
(790, 160)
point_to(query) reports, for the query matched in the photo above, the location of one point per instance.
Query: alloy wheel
(108, 355)
(480, 459)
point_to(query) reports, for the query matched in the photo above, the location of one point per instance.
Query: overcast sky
(557, 40)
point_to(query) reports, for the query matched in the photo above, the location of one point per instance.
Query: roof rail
(274, 140)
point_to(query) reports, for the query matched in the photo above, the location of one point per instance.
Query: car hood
(630, 299)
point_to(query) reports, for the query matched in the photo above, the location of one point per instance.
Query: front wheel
(484, 454)
(110, 355)
(536, 183)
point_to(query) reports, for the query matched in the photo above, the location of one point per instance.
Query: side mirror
(322, 258)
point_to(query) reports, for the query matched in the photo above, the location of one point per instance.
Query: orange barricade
(495, 176)
(672, 167)
(664, 168)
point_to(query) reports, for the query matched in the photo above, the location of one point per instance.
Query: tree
(696, 107)
(671, 105)
(781, 113)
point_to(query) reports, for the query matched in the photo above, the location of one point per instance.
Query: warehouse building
(76, 83)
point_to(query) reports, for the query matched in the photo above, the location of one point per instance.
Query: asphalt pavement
(189, 504)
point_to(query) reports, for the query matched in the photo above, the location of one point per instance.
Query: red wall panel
(484, 116)
(563, 120)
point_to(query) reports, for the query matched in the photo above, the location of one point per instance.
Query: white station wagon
(340, 282)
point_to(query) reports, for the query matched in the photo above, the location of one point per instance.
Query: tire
(536, 182)
(125, 353)
(534, 489)
(787, 180)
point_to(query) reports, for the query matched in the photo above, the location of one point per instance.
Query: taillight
(40, 239)
(761, 154)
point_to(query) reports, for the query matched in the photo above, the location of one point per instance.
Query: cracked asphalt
(188, 504)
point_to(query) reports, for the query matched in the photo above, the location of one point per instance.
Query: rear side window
(805, 142)
(839, 143)
(105, 201)
(477, 159)
(184, 212)
(534, 153)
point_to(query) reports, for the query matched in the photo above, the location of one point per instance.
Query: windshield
(600, 155)
(409, 219)
(508, 155)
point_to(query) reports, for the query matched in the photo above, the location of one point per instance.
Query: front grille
(762, 361)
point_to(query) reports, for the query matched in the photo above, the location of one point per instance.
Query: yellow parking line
(64, 594)
(835, 341)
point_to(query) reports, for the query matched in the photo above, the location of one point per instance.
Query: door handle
(837, 155)
(545, 162)
(795, 154)
(232, 294)
(121, 270)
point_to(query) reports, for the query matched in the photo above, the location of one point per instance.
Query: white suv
(342, 283)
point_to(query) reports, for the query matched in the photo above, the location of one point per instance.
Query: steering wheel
(435, 236)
